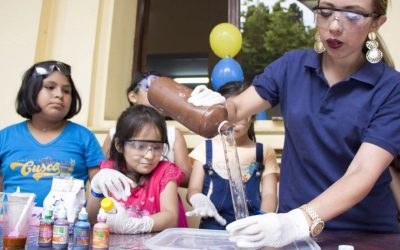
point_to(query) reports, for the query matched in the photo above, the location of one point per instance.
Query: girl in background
(137, 94)
(209, 191)
(152, 203)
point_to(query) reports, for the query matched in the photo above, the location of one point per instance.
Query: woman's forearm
(355, 184)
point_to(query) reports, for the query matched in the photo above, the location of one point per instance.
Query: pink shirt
(145, 199)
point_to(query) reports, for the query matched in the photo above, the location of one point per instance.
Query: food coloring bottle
(60, 230)
(82, 231)
(101, 232)
(46, 229)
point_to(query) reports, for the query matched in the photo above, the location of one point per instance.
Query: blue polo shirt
(324, 128)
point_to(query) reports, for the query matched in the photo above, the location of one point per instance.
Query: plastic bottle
(171, 97)
(108, 205)
(82, 231)
(239, 199)
(60, 230)
(46, 229)
(101, 232)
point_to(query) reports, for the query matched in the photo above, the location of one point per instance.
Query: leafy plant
(267, 35)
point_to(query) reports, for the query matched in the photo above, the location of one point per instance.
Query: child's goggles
(142, 147)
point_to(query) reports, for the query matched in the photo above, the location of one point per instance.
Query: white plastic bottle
(46, 229)
(101, 232)
(60, 230)
(82, 231)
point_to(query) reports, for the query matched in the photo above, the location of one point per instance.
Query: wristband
(97, 195)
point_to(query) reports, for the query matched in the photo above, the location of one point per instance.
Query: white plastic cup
(15, 223)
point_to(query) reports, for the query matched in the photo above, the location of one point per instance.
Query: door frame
(141, 32)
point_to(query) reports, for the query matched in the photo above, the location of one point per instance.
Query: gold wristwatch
(317, 224)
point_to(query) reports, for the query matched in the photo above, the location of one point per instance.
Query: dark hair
(135, 81)
(32, 83)
(234, 88)
(130, 123)
(380, 8)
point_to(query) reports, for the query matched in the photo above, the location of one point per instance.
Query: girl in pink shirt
(136, 176)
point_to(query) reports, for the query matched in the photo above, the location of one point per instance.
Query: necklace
(43, 130)
(51, 127)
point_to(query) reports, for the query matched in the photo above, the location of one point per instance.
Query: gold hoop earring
(374, 55)
(318, 45)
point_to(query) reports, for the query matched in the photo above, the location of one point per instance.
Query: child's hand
(112, 181)
(202, 206)
(271, 229)
(121, 223)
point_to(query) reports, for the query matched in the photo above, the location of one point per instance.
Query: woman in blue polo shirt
(340, 105)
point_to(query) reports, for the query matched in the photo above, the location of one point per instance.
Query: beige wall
(19, 25)
(96, 38)
(390, 34)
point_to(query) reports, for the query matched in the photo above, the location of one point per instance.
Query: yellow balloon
(225, 40)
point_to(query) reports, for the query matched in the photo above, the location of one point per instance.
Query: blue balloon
(226, 70)
(261, 115)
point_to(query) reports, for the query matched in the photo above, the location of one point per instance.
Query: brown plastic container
(171, 97)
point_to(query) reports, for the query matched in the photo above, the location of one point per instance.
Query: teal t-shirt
(31, 165)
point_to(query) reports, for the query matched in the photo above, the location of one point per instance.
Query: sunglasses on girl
(46, 68)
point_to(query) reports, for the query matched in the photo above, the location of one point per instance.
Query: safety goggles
(142, 147)
(47, 68)
(145, 83)
(347, 18)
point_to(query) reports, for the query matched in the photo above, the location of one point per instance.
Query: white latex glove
(121, 223)
(203, 96)
(271, 229)
(110, 180)
(202, 206)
